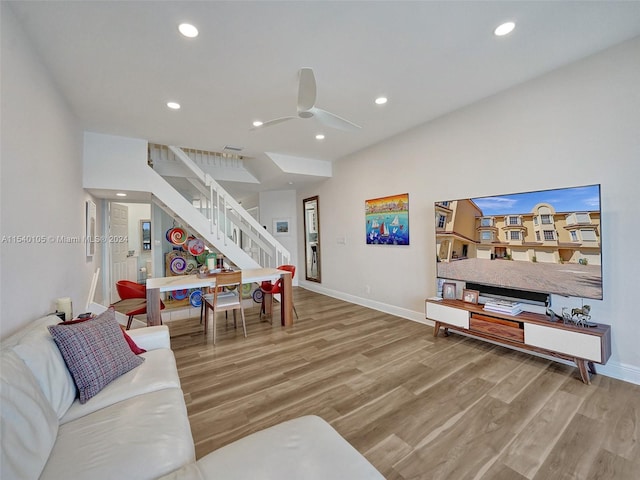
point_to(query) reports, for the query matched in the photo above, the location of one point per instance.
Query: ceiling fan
(307, 108)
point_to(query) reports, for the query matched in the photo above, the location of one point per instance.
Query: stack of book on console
(503, 306)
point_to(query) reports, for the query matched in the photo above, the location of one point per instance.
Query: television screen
(547, 241)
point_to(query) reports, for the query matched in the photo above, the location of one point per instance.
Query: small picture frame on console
(470, 296)
(449, 291)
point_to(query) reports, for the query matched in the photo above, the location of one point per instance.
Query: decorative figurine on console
(578, 316)
(581, 314)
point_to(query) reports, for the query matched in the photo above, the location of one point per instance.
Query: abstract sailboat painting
(387, 220)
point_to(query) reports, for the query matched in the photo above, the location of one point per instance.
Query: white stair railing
(224, 214)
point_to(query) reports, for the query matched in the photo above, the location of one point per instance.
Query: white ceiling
(118, 63)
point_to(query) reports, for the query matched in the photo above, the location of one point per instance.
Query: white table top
(166, 284)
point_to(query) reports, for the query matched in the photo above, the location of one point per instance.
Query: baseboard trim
(613, 369)
(621, 371)
(366, 302)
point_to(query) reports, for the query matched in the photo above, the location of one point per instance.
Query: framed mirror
(145, 234)
(311, 212)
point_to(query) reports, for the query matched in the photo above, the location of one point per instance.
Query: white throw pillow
(41, 354)
(29, 424)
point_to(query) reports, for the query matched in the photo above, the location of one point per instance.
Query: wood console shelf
(528, 331)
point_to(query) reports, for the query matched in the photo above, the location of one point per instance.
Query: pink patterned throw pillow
(95, 352)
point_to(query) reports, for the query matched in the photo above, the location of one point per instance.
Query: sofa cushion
(156, 373)
(29, 423)
(304, 448)
(95, 352)
(151, 338)
(38, 350)
(144, 437)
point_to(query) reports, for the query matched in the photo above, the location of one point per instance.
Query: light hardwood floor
(417, 407)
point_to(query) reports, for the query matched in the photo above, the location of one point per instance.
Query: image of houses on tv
(553, 226)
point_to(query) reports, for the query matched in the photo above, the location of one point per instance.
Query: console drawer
(575, 344)
(497, 327)
(449, 315)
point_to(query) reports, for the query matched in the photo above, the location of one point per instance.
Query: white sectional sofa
(137, 426)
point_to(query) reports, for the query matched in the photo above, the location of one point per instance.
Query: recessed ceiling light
(504, 29)
(290, 183)
(188, 30)
(320, 136)
(121, 194)
(257, 123)
(173, 105)
(381, 100)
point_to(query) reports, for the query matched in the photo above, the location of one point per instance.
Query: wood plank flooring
(415, 406)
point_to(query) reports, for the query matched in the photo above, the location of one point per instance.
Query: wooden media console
(527, 331)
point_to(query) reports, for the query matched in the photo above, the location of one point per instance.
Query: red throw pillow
(132, 345)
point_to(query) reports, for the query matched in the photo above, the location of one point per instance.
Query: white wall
(282, 204)
(106, 157)
(575, 126)
(41, 189)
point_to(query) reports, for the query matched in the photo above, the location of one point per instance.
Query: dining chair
(227, 295)
(133, 300)
(270, 289)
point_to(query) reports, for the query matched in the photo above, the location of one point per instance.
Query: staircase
(208, 211)
(122, 164)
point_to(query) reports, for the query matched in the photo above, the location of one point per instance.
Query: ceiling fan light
(504, 29)
(188, 30)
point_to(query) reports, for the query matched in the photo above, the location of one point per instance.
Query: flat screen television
(546, 241)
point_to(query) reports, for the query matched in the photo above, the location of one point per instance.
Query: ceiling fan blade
(334, 121)
(306, 90)
(275, 121)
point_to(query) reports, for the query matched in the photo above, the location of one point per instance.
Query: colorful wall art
(387, 220)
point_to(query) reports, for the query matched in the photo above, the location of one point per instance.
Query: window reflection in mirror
(310, 207)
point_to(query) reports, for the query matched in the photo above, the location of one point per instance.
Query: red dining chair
(270, 289)
(128, 289)
(133, 299)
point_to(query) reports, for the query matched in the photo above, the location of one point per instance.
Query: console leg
(585, 370)
(436, 329)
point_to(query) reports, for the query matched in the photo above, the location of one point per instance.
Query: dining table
(158, 285)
